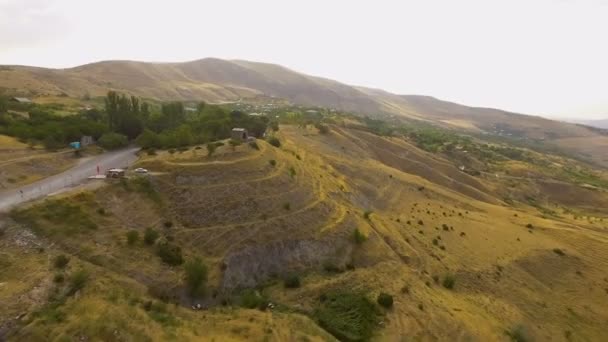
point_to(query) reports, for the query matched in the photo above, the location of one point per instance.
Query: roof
(238, 130)
(22, 99)
(116, 170)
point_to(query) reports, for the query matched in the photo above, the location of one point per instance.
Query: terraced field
(460, 262)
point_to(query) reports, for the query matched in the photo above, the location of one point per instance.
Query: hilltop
(219, 81)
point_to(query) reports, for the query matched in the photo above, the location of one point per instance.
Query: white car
(141, 170)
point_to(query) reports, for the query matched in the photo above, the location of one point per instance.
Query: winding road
(66, 179)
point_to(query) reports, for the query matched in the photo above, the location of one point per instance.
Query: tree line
(127, 118)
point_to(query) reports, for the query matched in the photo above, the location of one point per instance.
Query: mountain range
(217, 80)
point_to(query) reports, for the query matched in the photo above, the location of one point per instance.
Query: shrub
(292, 281)
(211, 147)
(150, 236)
(252, 299)
(558, 251)
(254, 145)
(272, 162)
(331, 267)
(132, 237)
(196, 276)
(112, 141)
(358, 237)
(449, 282)
(168, 224)
(77, 281)
(58, 278)
(529, 226)
(170, 254)
(367, 214)
(234, 143)
(517, 334)
(420, 222)
(101, 211)
(61, 261)
(385, 300)
(286, 206)
(348, 316)
(274, 141)
(323, 129)
(292, 171)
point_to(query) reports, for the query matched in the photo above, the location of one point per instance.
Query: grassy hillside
(216, 80)
(300, 240)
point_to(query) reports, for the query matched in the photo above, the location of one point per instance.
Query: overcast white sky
(546, 57)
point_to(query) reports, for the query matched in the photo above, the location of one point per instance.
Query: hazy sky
(534, 56)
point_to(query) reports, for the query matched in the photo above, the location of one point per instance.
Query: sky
(543, 57)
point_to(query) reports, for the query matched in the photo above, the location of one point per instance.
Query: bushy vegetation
(132, 237)
(385, 300)
(150, 236)
(449, 282)
(195, 276)
(252, 299)
(274, 141)
(170, 254)
(291, 281)
(77, 281)
(346, 315)
(112, 141)
(61, 261)
(358, 237)
(57, 217)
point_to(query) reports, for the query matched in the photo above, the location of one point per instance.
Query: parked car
(141, 170)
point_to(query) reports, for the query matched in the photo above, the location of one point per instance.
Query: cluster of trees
(127, 118)
(51, 130)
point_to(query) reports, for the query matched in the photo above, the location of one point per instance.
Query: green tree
(385, 300)
(111, 103)
(112, 141)
(148, 139)
(195, 276)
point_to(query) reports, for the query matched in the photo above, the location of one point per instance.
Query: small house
(115, 173)
(86, 140)
(239, 134)
(21, 100)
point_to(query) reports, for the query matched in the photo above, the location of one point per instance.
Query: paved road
(66, 179)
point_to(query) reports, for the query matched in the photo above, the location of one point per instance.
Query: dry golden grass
(511, 266)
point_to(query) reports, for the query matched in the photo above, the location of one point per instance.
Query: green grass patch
(347, 315)
(57, 217)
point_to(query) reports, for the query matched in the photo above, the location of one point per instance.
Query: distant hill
(602, 123)
(217, 80)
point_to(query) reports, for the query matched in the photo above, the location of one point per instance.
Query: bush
(287, 206)
(292, 281)
(234, 143)
(170, 254)
(252, 299)
(254, 145)
(292, 171)
(358, 237)
(168, 224)
(449, 282)
(529, 226)
(112, 141)
(517, 334)
(196, 276)
(367, 214)
(385, 300)
(211, 147)
(150, 236)
(323, 129)
(346, 315)
(272, 162)
(61, 261)
(558, 251)
(77, 281)
(58, 278)
(274, 141)
(132, 237)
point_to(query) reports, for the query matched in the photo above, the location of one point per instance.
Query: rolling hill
(216, 80)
